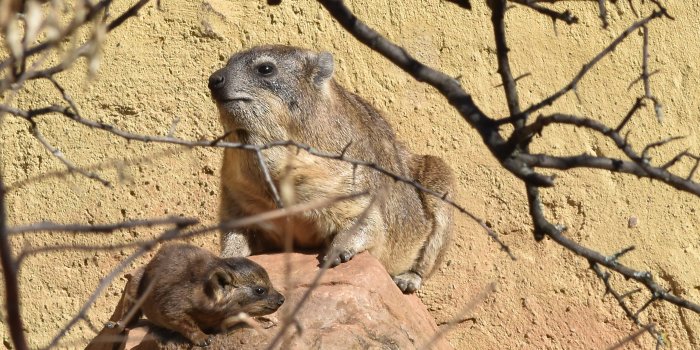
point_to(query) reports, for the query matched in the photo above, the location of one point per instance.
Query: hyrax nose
(281, 300)
(216, 81)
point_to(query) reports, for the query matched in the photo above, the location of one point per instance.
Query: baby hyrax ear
(218, 280)
(323, 70)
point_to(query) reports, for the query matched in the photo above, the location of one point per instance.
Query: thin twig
(72, 168)
(469, 307)
(268, 179)
(290, 319)
(585, 69)
(566, 16)
(47, 226)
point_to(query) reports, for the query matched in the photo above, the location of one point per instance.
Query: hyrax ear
(323, 70)
(217, 281)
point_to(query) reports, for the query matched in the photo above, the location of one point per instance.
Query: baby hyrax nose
(216, 81)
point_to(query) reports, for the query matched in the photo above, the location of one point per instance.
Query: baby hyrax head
(269, 90)
(241, 285)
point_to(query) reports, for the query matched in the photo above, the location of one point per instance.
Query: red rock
(355, 306)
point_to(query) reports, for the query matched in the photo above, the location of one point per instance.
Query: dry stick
(643, 277)
(659, 143)
(459, 317)
(16, 84)
(72, 168)
(603, 13)
(585, 69)
(657, 173)
(9, 271)
(117, 164)
(314, 284)
(510, 87)
(87, 47)
(47, 226)
(639, 103)
(605, 277)
(93, 12)
(678, 157)
(122, 323)
(266, 216)
(566, 16)
(658, 108)
(268, 179)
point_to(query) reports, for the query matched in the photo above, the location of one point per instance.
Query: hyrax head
(269, 90)
(241, 285)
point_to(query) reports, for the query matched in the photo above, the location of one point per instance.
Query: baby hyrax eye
(260, 290)
(266, 69)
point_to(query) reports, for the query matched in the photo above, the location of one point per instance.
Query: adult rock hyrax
(272, 93)
(191, 291)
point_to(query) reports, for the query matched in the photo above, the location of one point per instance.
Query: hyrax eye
(266, 69)
(260, 290)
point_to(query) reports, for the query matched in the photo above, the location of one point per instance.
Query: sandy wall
(155, 69)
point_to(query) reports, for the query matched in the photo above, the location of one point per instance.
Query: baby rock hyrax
(190, 290)
(272, 93)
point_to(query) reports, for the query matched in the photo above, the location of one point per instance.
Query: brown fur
(190, 290)
(299, 100)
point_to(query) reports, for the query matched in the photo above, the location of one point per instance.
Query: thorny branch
(513, 153)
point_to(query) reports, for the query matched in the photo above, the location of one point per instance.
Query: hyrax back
(272, 93)
(190, 290)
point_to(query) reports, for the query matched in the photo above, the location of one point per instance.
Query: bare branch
(47, 226)
(659, 143)
(643, 277)
(566, 16)
(9, 271)
(605, 277)
(466, 4)
(639, 103)
(657, 173)
(585, 69)
(603, 13)
(445, 84)
(72, 168)
(268, 179)
(246, 221)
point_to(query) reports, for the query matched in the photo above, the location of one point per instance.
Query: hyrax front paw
(408, 282)
(337, 257)
(202, 340)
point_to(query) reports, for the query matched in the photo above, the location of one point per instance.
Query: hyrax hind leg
(433, 173)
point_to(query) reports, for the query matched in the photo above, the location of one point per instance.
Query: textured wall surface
(155, 68)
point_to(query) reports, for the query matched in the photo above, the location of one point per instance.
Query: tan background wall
(155, 69)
